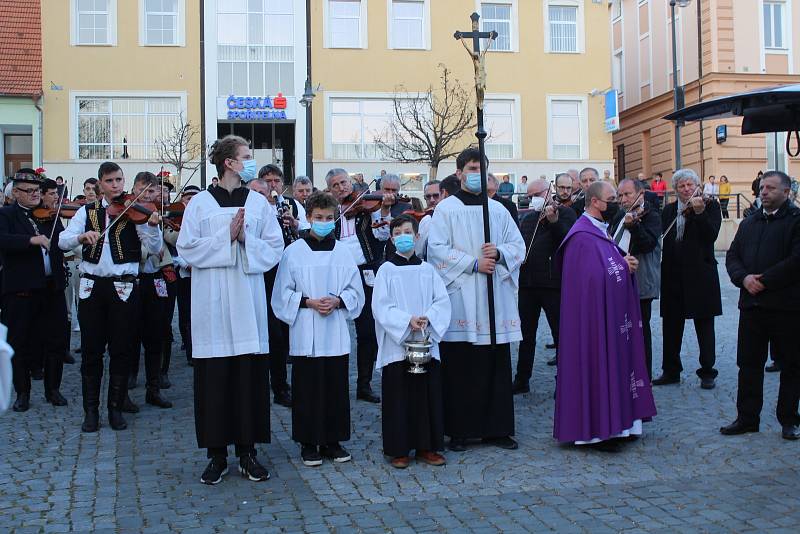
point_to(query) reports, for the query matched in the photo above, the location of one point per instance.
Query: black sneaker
(217, 468)
(335, 452)
(250, 468)
(310, 455)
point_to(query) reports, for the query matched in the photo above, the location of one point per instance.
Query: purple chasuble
(602, 385)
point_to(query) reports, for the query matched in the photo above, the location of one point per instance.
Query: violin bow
(58, 211)
(538, 221)
(112, 223)
(678, 214)
(364, 192)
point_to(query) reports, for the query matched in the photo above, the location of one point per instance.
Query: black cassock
(320, 399)
(476, 386)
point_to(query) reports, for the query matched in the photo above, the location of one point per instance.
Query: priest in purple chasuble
(603, 393)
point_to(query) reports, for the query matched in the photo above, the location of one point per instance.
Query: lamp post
(308, 98)
(677, 89)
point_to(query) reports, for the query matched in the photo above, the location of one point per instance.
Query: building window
(566, 128)
(497, 17)
(563, 21)
(499, 118)
(344, 23)
(616, 10)
(119, 128)
(616, 72)
(776, 152)
(94, 22)
(408, 24)
(161, 22)
(355, 126)
(774, 25)
(255, 51)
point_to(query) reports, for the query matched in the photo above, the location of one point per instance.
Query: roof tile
(21, 45)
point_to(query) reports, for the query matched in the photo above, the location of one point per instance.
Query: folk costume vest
(123, 240)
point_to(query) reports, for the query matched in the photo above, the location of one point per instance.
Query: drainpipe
(700, 84)
(202, 95)
(36, 102)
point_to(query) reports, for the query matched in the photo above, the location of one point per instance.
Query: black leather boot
(117, 391)
(53, 370)
(90, 387)
(166, 356)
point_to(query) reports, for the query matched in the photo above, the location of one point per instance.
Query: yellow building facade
(547, 73)
(118, 74)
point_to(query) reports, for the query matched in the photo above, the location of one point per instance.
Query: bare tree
(180, 147)
(426, 126)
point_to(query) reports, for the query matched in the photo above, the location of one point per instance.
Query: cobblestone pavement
(682, 476)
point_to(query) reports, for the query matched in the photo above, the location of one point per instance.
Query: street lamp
(677, 90)
(308, 98)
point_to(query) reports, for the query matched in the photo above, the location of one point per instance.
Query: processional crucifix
(479, 64)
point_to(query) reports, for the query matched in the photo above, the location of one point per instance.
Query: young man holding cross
(476, 376)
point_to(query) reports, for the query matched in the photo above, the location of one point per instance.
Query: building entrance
(272, 142)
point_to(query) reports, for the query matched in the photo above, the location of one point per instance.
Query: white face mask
(537, 203)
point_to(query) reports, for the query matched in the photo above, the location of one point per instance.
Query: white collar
(600, 225)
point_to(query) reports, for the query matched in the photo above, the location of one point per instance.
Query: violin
(135, 211)
(67, 211)
(172, 215)
(688, 209)
(419, 215)
(354, 205)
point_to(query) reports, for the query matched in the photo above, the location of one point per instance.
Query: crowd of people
(262, 280)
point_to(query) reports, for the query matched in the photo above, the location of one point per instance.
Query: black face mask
(608, 214)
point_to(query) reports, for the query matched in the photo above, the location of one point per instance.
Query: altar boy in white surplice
(410, 301)
(317, 289)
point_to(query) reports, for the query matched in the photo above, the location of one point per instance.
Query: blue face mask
(322, 229)
(249, 171)
(474, 182)
(403, 242)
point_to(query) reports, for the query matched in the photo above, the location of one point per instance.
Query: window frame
(75, 96)
(513, 23)
(580, 29)
(583, 122)
(180, 28)
(516, 123)
(785, 26)
(363, 37)
(426, 26)
(74, 34)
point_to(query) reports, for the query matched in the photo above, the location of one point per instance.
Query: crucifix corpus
(479, 64)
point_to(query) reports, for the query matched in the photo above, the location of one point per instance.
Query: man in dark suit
(391, 207)
(689, 278)
(491, 186)
(33, 291)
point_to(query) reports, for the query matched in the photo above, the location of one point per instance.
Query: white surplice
(399, 294)
(229, 305)
(315, 274)
(421, 246)
(454, 243)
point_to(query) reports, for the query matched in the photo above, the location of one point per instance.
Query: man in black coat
(539, 283)
(689, 278)
(34, 307)
(491, 187)
(763, 262)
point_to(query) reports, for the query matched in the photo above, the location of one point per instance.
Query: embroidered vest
(123, 240)
(370, 245)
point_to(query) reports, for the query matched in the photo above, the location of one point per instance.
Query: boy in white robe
(317, 288)
(409, 301)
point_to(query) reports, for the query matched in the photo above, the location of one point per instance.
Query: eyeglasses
(29, 191)
(432, 196)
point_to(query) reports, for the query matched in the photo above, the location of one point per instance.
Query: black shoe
(68, 358)
(284, 399)
(128, 406)
(520, 386)
(505, 442)
(23, 402)
(607, 446)
(738, 427)
(773, 368)
(335, 452)
(37, 374)
(310, 455)
(550, 346)
(790, 432)
(91, 420)
(552, 361)
(154, 397)
(132, 382)
(367, 395)
(163, 381)
(55, 398)
(251, 469)
(216, 469)
(664, 380)
(707, 383)
(457, 444)
(115, 420)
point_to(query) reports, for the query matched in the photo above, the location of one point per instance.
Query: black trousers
(673, 337)
(646, 306)
(106, 319)
(758, 330)
(185, 313)
(278, 340)
(723, 204)
(151, 332)
(36, 321)
(169, 337)
(531, 303)
(366, 342)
